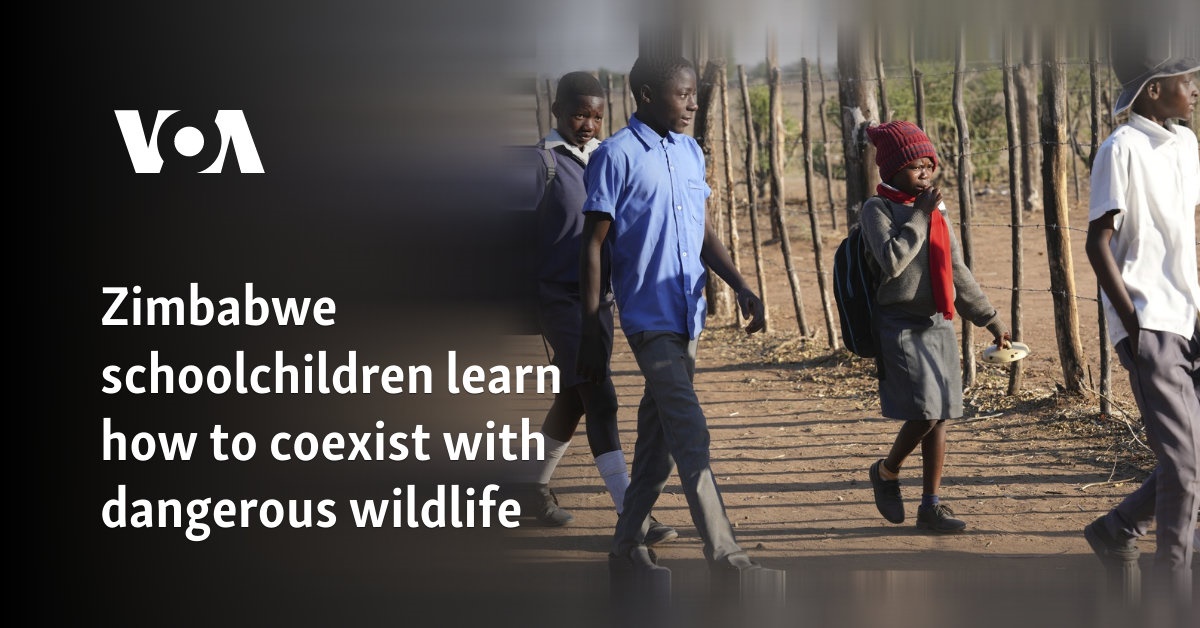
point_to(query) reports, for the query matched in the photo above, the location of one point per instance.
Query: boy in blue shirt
(645, 198)
(578, 110)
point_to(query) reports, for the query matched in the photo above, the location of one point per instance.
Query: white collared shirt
(1150, 174)
(554, 139)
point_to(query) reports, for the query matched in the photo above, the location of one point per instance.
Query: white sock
(544, 469)
(613, 471)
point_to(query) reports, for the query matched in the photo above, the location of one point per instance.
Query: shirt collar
(554, 139)
(649, 136)
(1157, 133)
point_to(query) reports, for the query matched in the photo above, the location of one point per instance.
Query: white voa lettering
(143, 151)
(231, 123)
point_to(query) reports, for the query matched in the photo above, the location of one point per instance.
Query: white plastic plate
(996, 355)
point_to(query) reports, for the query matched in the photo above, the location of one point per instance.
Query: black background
(374, 123)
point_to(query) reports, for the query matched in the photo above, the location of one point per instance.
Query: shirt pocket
(697, 193)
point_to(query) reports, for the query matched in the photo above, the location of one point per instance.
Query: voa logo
(188, 142)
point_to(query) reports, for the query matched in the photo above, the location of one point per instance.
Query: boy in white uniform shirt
(1141, 243)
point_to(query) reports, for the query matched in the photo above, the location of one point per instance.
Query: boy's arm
(717, 257)
(1099, 233)
(593, 357)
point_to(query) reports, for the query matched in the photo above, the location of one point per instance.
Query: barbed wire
(1061, 293)
(1029, 226)
(740, 140)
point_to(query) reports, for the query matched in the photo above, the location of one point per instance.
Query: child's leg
(668, 362)
(1165, 377)
(600, 404)
(558, 428)
(933, 456)
(652, 467)
(911, 434)
(563, 416)
(530, 480)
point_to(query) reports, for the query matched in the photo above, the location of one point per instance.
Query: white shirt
(555, 139)
(1151, 175)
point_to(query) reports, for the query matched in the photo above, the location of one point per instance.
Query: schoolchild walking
(923, 286)
(578, 110)
(1141, 243)
(645, 198)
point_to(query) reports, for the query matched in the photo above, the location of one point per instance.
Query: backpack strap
(551, 164)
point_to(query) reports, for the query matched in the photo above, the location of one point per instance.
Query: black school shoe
(887, 495)
(538, 503)
(659, 533)
(637, 560)
(938, 518)
(1111, 551)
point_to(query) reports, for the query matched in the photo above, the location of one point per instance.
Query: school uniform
(653, 189)
(559, 229)
(1150, 175)
(920, 376)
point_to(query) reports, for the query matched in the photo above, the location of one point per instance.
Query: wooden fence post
(752, 197)
(1027, 104)
(833, 214)
(1015, 196)
(550, 106)
(717, 291)
(539, 106)
(1105, 355)
(858, 110)
(918, 84)
(812, 211)
(885, 112)
(629, 108)
(612, 111)
(777, 189)
(1054, 188)
(966, 198)
(727, 153)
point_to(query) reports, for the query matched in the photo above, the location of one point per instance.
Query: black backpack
(855, 283)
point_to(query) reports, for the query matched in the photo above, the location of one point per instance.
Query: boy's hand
(928, 200)
(1004, 341)
(1133, 340)
(752, 308)
(592, 363)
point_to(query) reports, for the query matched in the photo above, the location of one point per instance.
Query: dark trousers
(672, 429)
(1165, 376)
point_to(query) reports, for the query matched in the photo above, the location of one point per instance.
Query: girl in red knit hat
(923, 283)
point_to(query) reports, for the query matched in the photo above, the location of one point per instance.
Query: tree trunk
(1027, 107)
(857, 100)
(966, 199)
(1015, 187)
(1058, 237)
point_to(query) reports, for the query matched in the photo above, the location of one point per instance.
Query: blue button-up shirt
(654, 189)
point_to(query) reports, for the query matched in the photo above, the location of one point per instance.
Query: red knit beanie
(896, 144)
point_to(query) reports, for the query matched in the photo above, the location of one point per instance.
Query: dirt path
(795, 427)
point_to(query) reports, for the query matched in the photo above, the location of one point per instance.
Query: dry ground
(794, 427)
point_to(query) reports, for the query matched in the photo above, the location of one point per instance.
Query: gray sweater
(898, 236)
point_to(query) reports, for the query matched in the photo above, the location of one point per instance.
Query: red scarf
(940, 269)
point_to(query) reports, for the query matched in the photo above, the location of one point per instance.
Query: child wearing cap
(923, 283)
(1141, 243)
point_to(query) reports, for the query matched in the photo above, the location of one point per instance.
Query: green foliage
(760, 108)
